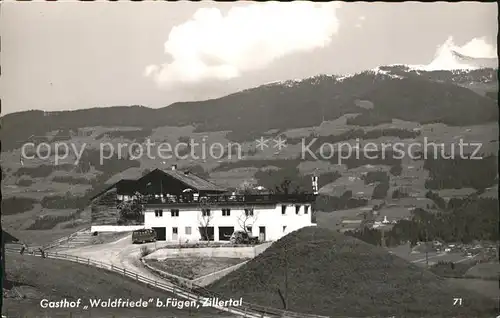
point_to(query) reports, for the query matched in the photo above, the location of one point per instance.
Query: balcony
(228, 199)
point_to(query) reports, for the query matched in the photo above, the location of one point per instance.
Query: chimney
(174, 167)
(315, 184)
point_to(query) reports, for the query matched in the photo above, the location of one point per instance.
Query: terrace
(227, 199)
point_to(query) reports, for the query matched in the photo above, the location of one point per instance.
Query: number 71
(457, 301)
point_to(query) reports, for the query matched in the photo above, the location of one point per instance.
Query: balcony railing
(230, 199)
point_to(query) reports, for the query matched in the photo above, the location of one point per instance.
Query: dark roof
(124, 186)
(193, 181)
(128, 186)
(8, 238)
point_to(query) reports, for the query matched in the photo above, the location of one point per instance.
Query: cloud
(215, 46)
(479, 47)
(482, 53)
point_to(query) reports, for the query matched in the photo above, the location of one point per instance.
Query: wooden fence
(196, 293)
(64, 239)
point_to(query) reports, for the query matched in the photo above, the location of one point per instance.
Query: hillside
(332, 274)
(386, 104)
(38, 278)
(310, 101)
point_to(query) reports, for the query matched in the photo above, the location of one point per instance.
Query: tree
(400, 193)
(285, 187)
(440, 202)
(346, 195)
(246, 187)
(132, 210)
(288, 187)
(247, 218)
(199, 171)
(396, 170)
(205, 220)
(380, 191)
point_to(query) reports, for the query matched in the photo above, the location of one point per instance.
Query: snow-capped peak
(476, 54)
(291, 83)
(381, 71)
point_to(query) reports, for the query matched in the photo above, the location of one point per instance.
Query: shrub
(461, 173)
(396, 170)
(16, 205)
(328, 203)
(450, 269)
(71, 225)
(42, 171)
(368, 119)
(49, 222)
(71, 180)
(375, 176)
(400, 193)
(380, 191)
(24, 182)
(145, 251)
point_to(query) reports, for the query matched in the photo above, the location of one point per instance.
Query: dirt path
(121, 253)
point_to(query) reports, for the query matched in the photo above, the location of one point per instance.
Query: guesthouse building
(183, 207)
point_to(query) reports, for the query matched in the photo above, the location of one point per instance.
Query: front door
(262, 233)
(175, 234)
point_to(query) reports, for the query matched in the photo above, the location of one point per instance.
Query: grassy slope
(55, 280)
(35, 237)
(331, 274)
(485, 271)
(194, 267)
(488, 288)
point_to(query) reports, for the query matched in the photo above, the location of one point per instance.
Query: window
(284, 228)
(249, 229)
(175, 230)
(283, 209)
(205, 212)
(174, 212)
(306, 209)
(248, 212)
(297, 209)
(226, 212)
(158, 213)
(188, 230)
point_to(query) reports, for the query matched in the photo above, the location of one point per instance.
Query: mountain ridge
(306, 103)
(488, 77)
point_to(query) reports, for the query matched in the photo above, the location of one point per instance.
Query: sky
(72, 55)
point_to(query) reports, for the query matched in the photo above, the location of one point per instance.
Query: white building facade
(269, 222)
(181, 206)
